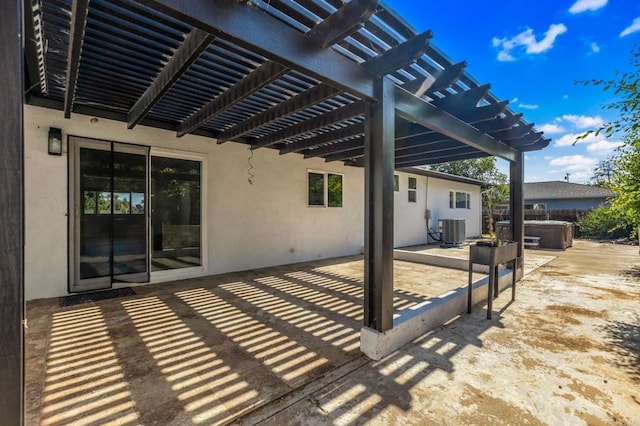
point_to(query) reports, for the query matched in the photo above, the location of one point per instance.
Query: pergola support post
(11, 215)
(516, 211)
(379, 204)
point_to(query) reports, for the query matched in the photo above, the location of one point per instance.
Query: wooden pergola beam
(334, 135)
(498, 123)
(12, 240)
(79, 10)
(338, 115)
(440, 81)
(525, 140)
(309, 97)
(401, 55)
(336, 148)
(251, 28)
(262, 76)
(342, 23)
(536, 146)
(434, 118)
(189, 51)
(515, 132)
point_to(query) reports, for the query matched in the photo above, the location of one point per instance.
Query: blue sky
(532, 52)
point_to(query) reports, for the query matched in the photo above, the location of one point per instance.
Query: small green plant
(606, 223)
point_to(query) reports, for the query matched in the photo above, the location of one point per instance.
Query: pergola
(348, 82)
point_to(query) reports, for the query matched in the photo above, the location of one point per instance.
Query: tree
(625, 167)
(603, 172)
(483, 169)
(625, 87)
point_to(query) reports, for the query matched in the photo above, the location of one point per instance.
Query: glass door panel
(129, 219)
(175, 213)
(95, 219)
(109, 214)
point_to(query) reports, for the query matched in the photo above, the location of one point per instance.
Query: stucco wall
(249, 225)
(410, 226)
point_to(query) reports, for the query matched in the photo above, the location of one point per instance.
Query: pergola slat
(189, 51)
(436, 82)
(499, 123)
(338, 115)
(335, 135)
(439, 160)
(342, 23)
(401, 55)
(527, 139)
(536, 146)
(79, 10)
(346, 155)
(466, 99)
(357, 142)
(290, 48)
(512, 133)
(258, 78)
(310, 97)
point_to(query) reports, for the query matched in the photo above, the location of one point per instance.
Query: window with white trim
(324, 189)
(396, 183)
(412, 191)
(459, 200)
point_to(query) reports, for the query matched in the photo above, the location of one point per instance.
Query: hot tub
(554, 234)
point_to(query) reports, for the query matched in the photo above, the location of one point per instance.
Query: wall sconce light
(55, 141)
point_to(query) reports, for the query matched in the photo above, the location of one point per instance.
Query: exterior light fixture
(55, 141)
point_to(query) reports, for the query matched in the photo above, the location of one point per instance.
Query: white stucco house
(232, 208)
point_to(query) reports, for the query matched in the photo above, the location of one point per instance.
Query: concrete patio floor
(280, 345)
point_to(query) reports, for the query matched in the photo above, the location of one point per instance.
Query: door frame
(74, 206)
(75, 143)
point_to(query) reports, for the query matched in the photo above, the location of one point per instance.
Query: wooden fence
(567, 215)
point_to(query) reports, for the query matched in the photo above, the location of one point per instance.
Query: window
(396, 183)
(459, 200)
(413, 186)
(324, 189)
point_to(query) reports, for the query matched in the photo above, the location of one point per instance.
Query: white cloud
(514, 100)
(527, 106)
(603, 147)
(594, 47)
(579, 166)
(583, 121)
(635, 26)
(584, 5)
(570, 138)
(527, 40)
(504, 56)
(551, 129)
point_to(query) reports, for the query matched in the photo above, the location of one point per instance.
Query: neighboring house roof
(440, 175)
(558, 190)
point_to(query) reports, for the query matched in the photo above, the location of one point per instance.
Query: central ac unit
(452, 231)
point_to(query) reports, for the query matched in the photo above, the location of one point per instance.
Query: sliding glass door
(131, 213)
(109, 214)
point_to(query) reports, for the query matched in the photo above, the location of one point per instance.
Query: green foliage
(626, 87)
(606, 223)
(483, 169)
(622, 172)
(626, 183)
